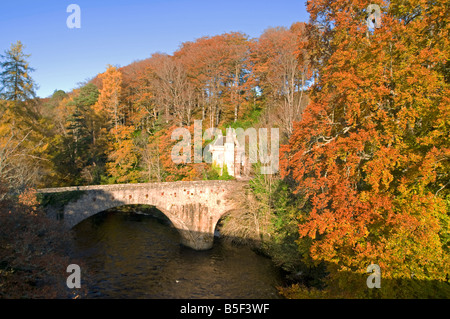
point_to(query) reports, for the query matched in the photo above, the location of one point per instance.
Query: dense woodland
(364, 119)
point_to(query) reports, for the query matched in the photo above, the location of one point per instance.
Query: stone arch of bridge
(192, 221)
(194, 208)
(176, 222)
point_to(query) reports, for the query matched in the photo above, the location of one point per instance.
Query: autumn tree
(109, 101)
(281, 71)
(186, 169)
(49, 106)
(137, 95)
(173, 93)
(217, 67)
(23, 132)
(123, 156)
(371, 154)
(151, 158)
(237, 69)
(79, 146)
(16, 164)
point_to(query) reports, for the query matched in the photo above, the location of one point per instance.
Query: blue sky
(119, 32)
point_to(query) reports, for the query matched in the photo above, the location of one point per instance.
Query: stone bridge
(194, 208)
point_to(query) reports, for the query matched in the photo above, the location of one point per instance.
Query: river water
(136, 255)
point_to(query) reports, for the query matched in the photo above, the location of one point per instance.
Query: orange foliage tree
(109, 99)
(372, 151)
(186, 171)
(217, 67)
(281, 70)
(123, 165)
(137, 95)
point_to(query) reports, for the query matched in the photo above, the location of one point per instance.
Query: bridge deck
(140, 185)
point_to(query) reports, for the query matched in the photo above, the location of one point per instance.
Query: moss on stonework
(59, 200)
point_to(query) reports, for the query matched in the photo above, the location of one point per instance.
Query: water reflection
(138, 256)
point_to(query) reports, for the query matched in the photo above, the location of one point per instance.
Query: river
(136, 255)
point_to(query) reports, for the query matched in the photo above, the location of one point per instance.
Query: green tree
(15, 81)
(23, 140)
(79, 154)
(47, 108)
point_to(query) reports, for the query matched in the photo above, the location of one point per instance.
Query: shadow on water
(133, 253)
